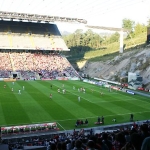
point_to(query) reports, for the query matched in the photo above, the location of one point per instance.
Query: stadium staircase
(32, 41)
(31, 38)
(10, 37)
(76, 74)
(51, 40)
(25, 64)
(10, 40)
(36, 74)
(12, 63)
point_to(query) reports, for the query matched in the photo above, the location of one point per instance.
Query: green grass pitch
(34, 105)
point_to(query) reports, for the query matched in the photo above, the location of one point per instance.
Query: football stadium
(45, 103)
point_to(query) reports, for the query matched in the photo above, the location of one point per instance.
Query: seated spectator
(81, 122)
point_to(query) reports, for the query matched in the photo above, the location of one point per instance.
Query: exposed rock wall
(132, 61)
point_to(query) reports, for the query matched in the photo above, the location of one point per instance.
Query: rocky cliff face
(136, 61)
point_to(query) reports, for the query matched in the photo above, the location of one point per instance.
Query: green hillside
(92, 46)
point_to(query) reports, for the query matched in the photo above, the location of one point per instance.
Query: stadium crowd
(30, 65)
(5, 65)
(135, 137)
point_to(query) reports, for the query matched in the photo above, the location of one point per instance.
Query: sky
(109, 13)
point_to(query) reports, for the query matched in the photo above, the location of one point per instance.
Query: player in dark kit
(51, 86)
(131, 117)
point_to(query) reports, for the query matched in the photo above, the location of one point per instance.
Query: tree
(114, 37)
(139, 28)
(128, 24)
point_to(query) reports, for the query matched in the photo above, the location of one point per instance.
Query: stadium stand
(27, 35)
(131, 136)
(31, 51)
(35, 65)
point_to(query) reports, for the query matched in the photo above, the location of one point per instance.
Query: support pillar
(121, 42)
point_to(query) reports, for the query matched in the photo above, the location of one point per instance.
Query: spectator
(99, 120)
(90, 145)
(136, 141)
(78, 145)
(146, 144)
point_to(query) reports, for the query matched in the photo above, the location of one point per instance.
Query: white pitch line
(114, 101)
(105, 116)
(79, 118)
(108, 115)
(61, 126)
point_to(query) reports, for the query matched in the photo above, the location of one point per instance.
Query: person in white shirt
(63, 91)
(78, 98)
(19, 91)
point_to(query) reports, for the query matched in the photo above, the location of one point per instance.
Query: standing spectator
(102, 119)
(145, 131)
(98, 120)
(91, 132)
(78, 145)
(136, 141)
(146, 144)
(107, 141)
(86, 122)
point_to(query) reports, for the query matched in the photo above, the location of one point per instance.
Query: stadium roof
(107, 28)
(38, 18)
(96, 12)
